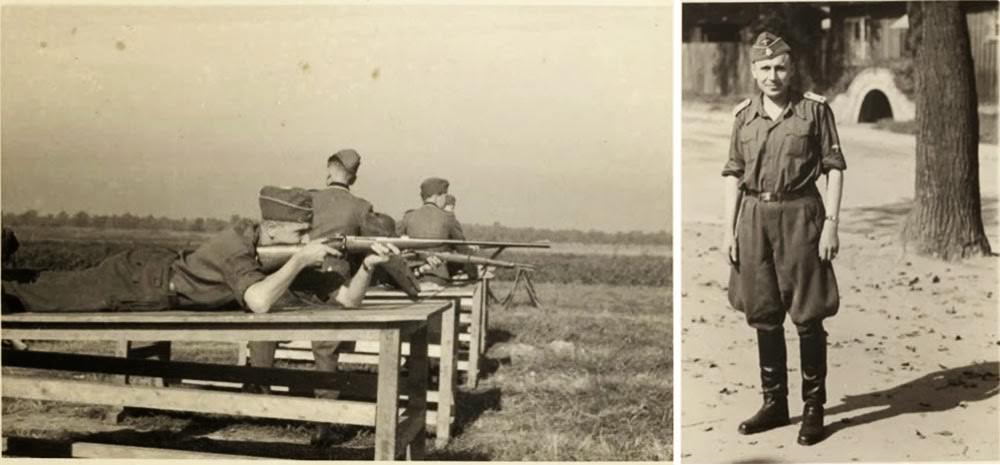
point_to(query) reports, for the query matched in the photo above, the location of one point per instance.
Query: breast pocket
(797, 142)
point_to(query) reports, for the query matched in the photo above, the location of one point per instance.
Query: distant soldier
(431, 221)
(449, 203)
(780, 237)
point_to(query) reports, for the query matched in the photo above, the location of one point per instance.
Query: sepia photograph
(341, 231)
(839, 221)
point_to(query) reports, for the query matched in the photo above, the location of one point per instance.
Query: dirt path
(913, 353)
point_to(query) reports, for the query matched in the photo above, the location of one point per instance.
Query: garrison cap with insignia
(767, 46)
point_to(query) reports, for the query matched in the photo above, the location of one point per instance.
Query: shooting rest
(397, 430)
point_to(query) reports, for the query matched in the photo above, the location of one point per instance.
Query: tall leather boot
(812, 347)
(774, 382)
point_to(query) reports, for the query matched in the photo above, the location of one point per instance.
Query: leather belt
(780, 196)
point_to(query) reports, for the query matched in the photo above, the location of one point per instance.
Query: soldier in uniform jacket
(432, 221)
(780, 236)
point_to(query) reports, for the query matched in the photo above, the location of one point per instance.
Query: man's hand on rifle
(314, 252)
(432, 262)
(381, 253)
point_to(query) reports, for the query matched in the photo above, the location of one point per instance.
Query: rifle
(273, 256)
(466, 259)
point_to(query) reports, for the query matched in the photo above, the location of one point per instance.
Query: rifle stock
(273, 257)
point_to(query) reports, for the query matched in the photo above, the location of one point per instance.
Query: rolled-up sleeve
(829, 142)
(241, 272)
(735, 164)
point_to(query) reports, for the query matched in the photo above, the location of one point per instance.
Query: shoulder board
(739, 107)
(814, 97)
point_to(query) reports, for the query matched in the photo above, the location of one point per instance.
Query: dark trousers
(136, 279)
(779, 269)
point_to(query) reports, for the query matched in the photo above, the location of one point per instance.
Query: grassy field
(588, 377)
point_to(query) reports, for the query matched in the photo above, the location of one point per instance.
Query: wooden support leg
(447, 373)
(475, 345)
(532, 294)
(386, 411)
(418, 373)
(484, 305)
(116, 413)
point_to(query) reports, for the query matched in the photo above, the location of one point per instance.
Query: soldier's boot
(812, 347)
(774, 382)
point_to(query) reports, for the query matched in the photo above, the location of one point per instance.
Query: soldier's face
(772, 75)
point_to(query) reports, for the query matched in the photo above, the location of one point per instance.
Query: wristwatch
(832, 219)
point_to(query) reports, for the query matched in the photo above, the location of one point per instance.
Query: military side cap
(449, 200)
(285, 204)
(433, 186)
(348, 158)
(767, 46)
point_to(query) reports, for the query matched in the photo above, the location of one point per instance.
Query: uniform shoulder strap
(814, 97)
(740, 106)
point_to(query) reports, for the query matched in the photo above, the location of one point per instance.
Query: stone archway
(874, 106)
(872, 94)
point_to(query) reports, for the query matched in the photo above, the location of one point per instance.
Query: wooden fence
(716, 68)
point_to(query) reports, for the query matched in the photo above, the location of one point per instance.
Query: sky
(542, 116)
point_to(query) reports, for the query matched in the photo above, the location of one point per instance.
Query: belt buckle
(768, 197)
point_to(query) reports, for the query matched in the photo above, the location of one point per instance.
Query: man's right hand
(314, 252)
(731, 248)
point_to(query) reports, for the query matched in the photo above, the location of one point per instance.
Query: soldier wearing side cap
(335, 211)
(781, 238)
(431, 221)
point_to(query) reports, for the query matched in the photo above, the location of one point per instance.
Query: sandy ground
(913, 355)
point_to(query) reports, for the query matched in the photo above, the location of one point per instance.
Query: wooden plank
(191, 400)
(475, 319)
(445, 395)
(116, 451)
(370, 312)
(386, 412)
(188, 370)
(204, 333)
(416, 388)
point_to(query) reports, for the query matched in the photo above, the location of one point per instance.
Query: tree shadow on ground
(890, 217)
(933, 392)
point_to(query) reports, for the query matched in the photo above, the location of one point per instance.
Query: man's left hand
(381, 253)
(829, 244)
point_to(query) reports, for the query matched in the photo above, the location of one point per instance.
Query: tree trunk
(946, 218)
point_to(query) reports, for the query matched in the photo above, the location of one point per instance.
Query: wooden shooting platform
(399, 428)
(462, 333)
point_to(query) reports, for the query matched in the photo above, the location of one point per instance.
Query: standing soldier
(336, 211)
(780, 237)
(431, 221)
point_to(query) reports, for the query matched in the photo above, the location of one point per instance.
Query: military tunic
(336, 212)
(781, 215)
(215, 276)
(432, 222)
